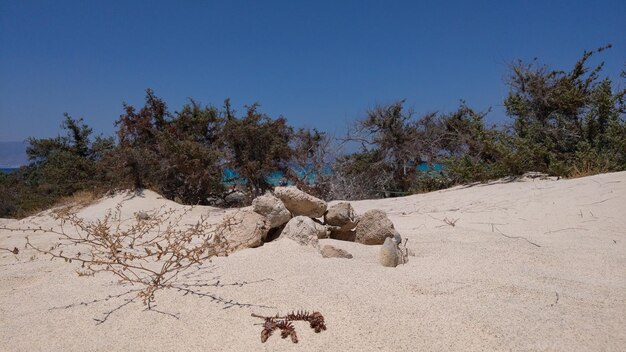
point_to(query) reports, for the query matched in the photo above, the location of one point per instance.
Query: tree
(256, 146)
(387, 136)
(138, 140)
(311, 160)
(178, 154)
(60, 166)
(561, 116)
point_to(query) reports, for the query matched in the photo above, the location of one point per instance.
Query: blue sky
(318, 63)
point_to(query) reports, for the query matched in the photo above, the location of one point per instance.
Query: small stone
(142, 215)
(235, 198)
(329, 251)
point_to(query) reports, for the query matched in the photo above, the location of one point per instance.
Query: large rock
(305, 231)
(329, 251)
(272, 208)
(341, 215)
(244, 229)
(373, 227)
(301, 203)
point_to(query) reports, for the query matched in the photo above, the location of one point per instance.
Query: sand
(529, 266)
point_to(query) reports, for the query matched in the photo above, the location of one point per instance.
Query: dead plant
(285, 325)
(451, 222)
(146, 252)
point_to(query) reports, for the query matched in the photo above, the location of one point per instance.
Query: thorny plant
(285, 325)
(149, 252)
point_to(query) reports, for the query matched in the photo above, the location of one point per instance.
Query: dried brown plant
(285, 325)
(148, 253)
(451, 222)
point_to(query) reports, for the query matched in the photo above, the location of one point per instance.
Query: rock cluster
(294, 214)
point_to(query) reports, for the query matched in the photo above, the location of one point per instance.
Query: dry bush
(80, 198)
(588, 168)
(148, 252)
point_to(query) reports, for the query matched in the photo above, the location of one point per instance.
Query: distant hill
(12, 154)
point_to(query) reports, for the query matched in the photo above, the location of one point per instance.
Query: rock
(342, 215)
(327, 229)
(348, 235)
(142, 215)
(301, 203)
(374, 227)
(272, 208)
(397, 238)
(333, 252)
(245, 229)
(390, 254)
(215, 201)
(304, 230)
(235, 198)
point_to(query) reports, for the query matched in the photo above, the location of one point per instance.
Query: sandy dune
(529, 266)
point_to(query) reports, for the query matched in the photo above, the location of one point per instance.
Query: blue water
(7, 170)
(231, 178)
(423, 167)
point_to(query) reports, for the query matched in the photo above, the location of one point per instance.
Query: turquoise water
(423, 167)
(231, 178)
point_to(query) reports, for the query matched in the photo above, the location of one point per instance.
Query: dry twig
(517, 237)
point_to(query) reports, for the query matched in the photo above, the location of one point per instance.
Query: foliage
(565, 123)
(256, 146)
(310, 161)
(563, 120)
(60, 166)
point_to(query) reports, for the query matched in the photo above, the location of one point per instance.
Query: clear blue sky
(318, 63)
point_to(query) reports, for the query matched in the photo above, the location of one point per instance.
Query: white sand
(562, 287)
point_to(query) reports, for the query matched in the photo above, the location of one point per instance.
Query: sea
(7, 170)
